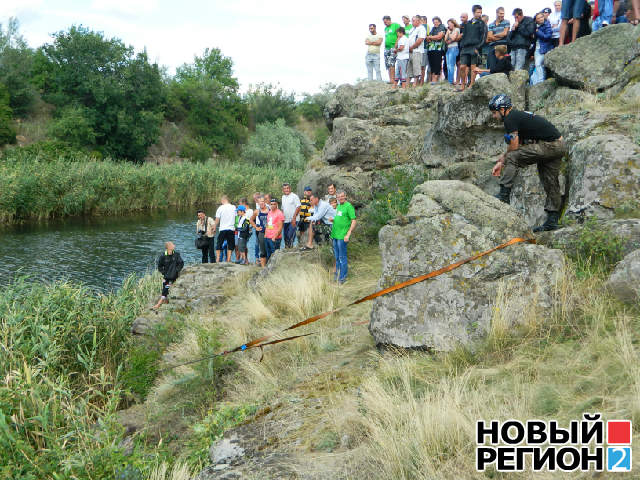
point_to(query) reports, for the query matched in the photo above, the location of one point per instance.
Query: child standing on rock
(169, 265)
(243, 235)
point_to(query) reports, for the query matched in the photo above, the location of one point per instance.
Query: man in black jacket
(520, 38)
(473, 38)
(169, 265)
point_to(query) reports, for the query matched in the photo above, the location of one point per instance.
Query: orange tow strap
(261, 342)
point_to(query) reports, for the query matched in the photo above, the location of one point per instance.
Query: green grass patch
(391, 201)
(596, 250)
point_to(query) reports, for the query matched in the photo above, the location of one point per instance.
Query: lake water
(99, 252)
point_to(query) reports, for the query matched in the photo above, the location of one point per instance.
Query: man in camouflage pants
(530, 139)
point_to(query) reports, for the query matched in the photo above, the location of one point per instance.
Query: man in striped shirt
(306, 210)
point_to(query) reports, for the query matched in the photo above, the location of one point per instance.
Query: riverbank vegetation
(68, 362)
(85, 109)
(39, 187)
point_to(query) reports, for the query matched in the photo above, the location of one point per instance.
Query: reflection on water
(99, 252)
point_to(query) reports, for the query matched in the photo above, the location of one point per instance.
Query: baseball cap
(242, 208)
(307, 188)
(546, 10)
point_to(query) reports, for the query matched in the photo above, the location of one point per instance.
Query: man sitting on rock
(530, 139)
(320, 222)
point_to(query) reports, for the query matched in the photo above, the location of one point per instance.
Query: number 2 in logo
(619, 459)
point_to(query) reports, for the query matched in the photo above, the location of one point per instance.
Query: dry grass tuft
(180, 471)
(414, 416)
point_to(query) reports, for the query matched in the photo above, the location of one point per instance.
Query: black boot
(504, 195)
(550, 224)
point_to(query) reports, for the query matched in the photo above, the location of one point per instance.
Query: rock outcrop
(464, 129)
(624, 282)
(448, 221)
(374, 126)
(199, 288)
(605, 172)
(597, 61)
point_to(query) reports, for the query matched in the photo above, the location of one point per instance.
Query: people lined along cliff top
(415, 51)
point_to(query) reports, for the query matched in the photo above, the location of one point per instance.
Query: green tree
(112, 92)
(7, 132)
(275, 144)
(204, 94)
(16, 62)
(312, 105)
(268, 103)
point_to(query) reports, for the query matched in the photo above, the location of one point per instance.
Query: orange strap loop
(262, 341)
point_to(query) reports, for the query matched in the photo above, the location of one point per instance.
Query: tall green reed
(62, 353)
(39, 187)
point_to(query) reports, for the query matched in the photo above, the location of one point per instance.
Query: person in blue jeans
(343, 224)
(451, 39)
(604, 18)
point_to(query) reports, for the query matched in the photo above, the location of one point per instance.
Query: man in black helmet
(530, 139)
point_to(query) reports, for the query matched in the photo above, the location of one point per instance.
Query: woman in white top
(451, 39)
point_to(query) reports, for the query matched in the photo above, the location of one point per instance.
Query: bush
(48, 151)
(74, 126)
(597, 248)
(275, 144)
(268, 104)
(390, 202)
(321, 135)
(195, 149)
(312, 105)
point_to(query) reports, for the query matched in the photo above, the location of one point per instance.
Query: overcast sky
(299, 45)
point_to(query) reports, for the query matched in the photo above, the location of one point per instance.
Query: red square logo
(619, 431)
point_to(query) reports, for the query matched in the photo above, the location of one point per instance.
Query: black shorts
(469, 59)
(229, 236)
(303, 226)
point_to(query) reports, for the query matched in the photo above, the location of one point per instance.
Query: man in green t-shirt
(390, 39)
(343, 224)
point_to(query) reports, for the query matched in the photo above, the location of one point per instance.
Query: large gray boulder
(380, 103)
(354, 181)
(597, 61)
(464, 129)
(449, 221)
(605, 172)
(356, 142)
(624, 282)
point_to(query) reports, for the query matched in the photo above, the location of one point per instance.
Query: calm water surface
(99, 252)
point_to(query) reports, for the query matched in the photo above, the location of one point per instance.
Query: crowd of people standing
(305, 222)
(458, 52)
